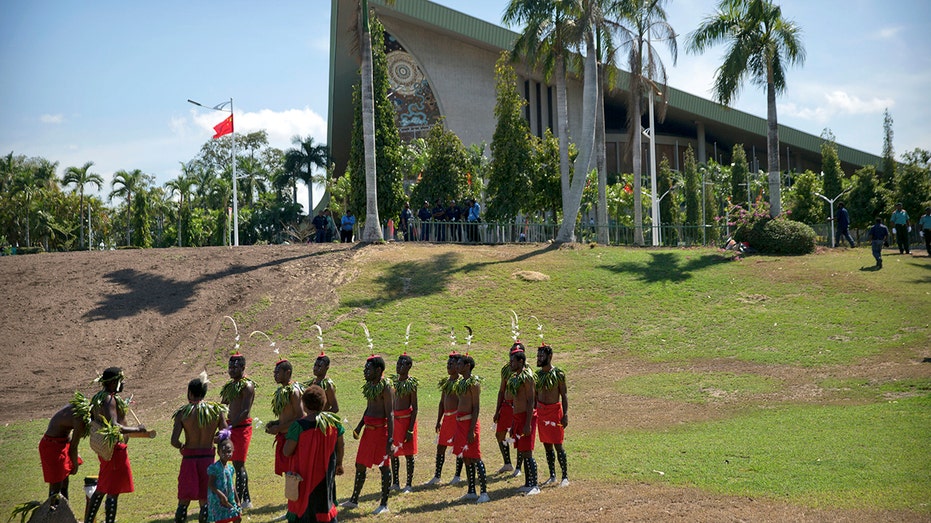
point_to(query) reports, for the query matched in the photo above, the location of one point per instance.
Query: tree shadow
(409, 280)
(150, 292)
(926, 266)
(423, 278)
(474, 266)
(667, 267)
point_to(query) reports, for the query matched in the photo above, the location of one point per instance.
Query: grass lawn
(804, 380)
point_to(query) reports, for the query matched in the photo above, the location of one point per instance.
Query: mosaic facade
(415, 107)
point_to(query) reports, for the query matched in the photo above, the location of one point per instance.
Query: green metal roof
(484, 34)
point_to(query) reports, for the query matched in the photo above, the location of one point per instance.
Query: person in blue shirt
(924, 225)
(320, 224)
(474, 216)
(454, 216)
(406, 216)
(901, 225)
(346, 227)
(439, 218)
(843, 225)
(878, 234)
(425, 214)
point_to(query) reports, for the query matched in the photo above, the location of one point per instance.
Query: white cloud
(851, 104)
(836, 103)
(887, 33)
(52, 118)
(179, 126)
(280, 125)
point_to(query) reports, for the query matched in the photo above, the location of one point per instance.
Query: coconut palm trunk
(772, 148)
(636, 151)
(601, 211)
(562, 115)
(372, 230)
(566, 232)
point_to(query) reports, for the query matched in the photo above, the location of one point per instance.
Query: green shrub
(29, 250)
(768, 235)
(786, 237)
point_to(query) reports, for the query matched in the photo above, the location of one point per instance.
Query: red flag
(223, 128)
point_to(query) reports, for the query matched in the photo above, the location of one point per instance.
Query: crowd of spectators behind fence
(451, 222)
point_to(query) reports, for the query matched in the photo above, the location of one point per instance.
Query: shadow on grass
(474, 266)
(423, 278)
(926, 266)
(145, 291)
(370, 501)
(667, 267)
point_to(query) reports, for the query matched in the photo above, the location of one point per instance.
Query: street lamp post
(704, 239)
(651, 134)
(220, 107)
(831, 201)
(659, 233)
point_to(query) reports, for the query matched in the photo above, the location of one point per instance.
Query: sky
(107, 81)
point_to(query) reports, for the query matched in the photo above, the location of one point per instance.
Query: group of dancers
(309, 444)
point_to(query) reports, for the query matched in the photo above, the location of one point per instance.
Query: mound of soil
(157, 313)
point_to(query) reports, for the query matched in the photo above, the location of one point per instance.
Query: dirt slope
(67, 316)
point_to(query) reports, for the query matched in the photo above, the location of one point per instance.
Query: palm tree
(183, 186)
(372, 230)
(129, 183)
(31, 182)
(544, 41)
(251, 174)
(300, 162)
(646, 22)
(80, 177)
(587, 15)
(762, 43)
(206, 184)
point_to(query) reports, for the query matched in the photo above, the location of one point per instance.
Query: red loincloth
(461, 445)
(116, 475)
(402, 422)
(56, 460)
(447, 429)
(549, 423)
(192, 478)
(373, 443)
(282, 462)
(524, 443)
(241, 436)
(505, 416)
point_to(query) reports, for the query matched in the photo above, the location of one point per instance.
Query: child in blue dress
(222, 502)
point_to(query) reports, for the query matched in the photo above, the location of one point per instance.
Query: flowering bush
(770, 235)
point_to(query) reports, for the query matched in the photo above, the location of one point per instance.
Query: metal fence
(511, 232)
(517, 232)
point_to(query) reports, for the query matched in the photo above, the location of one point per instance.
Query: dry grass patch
(530, 276)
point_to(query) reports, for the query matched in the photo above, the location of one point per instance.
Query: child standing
(222, 502)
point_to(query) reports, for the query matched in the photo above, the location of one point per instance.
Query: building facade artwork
(415, 107)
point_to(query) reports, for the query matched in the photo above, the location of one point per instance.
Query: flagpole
(235, 185)
(219, 107)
